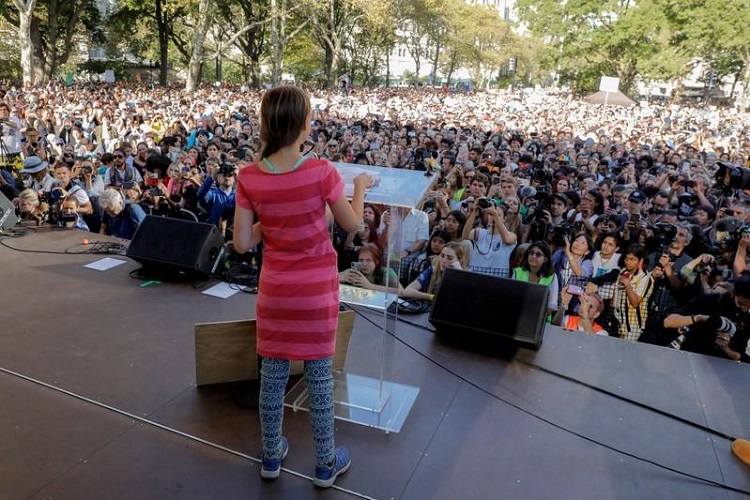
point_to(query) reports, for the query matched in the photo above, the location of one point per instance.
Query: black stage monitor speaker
(473, 303)
(167, 246)
(8, 217)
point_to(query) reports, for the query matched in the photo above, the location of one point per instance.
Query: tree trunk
(196, 59)
(275, 44)
(50, 62)
(388, 68)
(163, 43)
(255, 75)
(433, 73)
(25, 11)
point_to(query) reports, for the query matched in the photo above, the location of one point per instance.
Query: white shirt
(11, 137)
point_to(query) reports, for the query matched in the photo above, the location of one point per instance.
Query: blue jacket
(214, 200)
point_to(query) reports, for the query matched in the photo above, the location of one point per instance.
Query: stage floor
(98, 401)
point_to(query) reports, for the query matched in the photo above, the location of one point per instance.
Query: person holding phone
(583, 317)
(632, 291)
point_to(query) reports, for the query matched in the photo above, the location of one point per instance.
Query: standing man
(11, 134)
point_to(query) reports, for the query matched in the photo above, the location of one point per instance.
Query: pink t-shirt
(298, 298)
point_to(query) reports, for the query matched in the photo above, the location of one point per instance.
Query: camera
(729, 176)
(226, 169)
(484, 203)
(664, 235)
(155, 192)
(87, 169)
(541, 176)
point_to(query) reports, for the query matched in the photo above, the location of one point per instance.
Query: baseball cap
(637, 197)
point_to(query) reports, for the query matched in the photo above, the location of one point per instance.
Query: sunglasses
(118, 156)
(536, 254)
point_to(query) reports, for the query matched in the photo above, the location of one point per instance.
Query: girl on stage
(298, 298)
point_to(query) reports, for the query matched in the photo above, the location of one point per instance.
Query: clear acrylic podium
(369, 396)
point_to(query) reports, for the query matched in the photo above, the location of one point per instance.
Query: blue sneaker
(270, 468)
(326, 475)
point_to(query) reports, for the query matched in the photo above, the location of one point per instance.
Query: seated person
(121, 217)
(583, 319)
(454, 254)
(71, 214)
(369, 272)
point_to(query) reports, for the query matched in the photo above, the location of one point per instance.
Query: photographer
(119, 174)
(34, 144)
(70, 214)
(493, 242)
(37, 177)
(716, 324)
(30, 206)
(68, 187)
(703, 270)
(582, 318)
(217, 191)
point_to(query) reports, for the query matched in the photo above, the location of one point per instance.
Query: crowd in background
(617, 210)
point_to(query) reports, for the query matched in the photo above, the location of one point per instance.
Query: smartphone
(635, 218)
(356, 266)
(575, 290)
(687, 184)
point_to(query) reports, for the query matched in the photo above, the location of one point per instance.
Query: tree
(56, 24)
(161, 15)
(25, 11)
(196, 58)
(332, 22)
(587, 39)
(710, 34)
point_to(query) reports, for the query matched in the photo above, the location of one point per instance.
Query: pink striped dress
(298, 294)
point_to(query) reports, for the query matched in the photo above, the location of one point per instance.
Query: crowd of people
(635, 218)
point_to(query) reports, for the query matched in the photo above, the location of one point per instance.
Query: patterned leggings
(274, 374)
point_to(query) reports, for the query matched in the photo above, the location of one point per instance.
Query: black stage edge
(522, 424)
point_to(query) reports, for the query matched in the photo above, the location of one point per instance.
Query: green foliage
(587, 39)
(304, 59)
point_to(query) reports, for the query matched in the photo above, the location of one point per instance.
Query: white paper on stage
(222, 290)
(393, 186)
(104, 264)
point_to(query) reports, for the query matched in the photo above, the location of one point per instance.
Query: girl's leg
(274, 374)
(319, 380)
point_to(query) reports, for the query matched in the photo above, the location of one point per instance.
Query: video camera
(53, 215)
(664, 234)
(729, 177)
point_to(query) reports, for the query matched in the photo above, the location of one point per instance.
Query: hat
(528, 192)
(560, 196)
(202, 132)
(637, 197)
(33, 164)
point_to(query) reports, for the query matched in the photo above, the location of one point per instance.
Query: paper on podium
(349, 294)
(393, 186)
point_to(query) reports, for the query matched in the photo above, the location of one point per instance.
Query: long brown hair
(283, 113)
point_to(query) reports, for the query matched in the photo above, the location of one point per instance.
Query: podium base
(362, 400)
